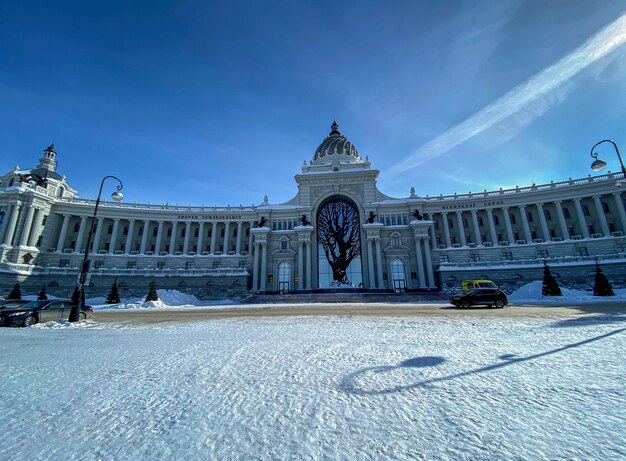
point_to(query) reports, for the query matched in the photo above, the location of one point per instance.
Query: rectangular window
(64, 263)
(131, 265)
(160, 264)
(98, 264)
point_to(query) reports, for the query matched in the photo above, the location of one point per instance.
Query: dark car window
(12, 305)
(56, 305)
(34, 304)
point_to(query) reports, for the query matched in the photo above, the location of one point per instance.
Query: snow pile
(531, 294)
(167, 299)
(64, 325)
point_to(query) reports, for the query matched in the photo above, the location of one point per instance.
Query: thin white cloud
(538, 86)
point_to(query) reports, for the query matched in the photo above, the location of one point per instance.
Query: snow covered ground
(324, 388)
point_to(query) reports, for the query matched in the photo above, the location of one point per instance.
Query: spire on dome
(335, 129)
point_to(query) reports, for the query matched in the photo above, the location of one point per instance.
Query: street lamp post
(84, 269)
(599, 164)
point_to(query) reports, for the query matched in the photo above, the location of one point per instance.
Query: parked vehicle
(480, 296)
(40, 311)
(12, 303)
(467, 285)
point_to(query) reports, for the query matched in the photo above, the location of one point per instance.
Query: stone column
(617, 197)
(200, 241)
(542, 222)
(129, 237)
(601, 216)
(309, 265)
(255, 268)
(561, 217)
(379, 264)
(3, 229)
(81, 234)
(300, 266)
(459, 221)
(226, 237)
(370, 265)
(477, 239)
(431, 231)
(492, 228)
(113, 244)
(446, 229)
(239, 229)
(144, 237)
(582, 223)
(507, 225)
(213, 237)
(32, 241)
(429, 265)
(187, 237)
(98, 237)
(250, 237)
(173, 237)
(63, 234)
(11, 225)
(527, 235)
(420, 262)
(159, 239)
(263, 266)
(28, 222)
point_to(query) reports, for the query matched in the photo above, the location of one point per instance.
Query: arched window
(496, 221)
(605, 207)
(512, 218)
(60, 191)
(547, 214)
(566, 213)
(284, 276)
(529, 217)
(398, 274)
(585, 210)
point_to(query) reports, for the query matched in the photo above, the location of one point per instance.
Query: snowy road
(336, 388)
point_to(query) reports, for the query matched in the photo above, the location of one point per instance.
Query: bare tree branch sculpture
(338, 232)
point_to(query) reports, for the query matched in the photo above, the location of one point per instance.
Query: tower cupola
(48, 161)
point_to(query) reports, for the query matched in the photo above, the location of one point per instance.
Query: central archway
(339, 244)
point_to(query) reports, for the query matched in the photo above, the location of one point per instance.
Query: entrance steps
(304, 298)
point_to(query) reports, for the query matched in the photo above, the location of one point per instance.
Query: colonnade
(33, 217)
(468, 228)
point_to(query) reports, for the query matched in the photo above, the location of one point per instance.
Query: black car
(480, 296)
(40, 311)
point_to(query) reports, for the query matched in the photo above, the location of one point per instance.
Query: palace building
(338, 231)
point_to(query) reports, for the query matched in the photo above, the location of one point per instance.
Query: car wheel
(83, 316)
(30, 320)
(499, 304)
(466, 304)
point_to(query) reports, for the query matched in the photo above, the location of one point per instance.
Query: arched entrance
(398, 274)
(284, 277)
(339, 244)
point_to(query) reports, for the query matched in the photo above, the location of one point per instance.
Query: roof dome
(336, 147)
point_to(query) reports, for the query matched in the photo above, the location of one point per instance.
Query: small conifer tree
(16, 293)
(550, 286)
(152, 292)
(42, 296)
(113, 297)
(602, 286)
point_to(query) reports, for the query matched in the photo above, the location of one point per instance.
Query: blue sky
(197, 102)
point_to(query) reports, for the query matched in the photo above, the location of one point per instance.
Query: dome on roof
(336, 147)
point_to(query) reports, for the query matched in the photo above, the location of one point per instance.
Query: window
(98, 264)
(284, 244)
(125, 231)
(169, 231)
(566, 213)
(60, 192)
(44, 219)
(110, 230)
(64, 263)
(216, 264)
(197, 232)
(605, 207)
(131, 265)
(160, 265)
(76, 227)
(450, 224)
(480, 221)
(190, 265)
(512, 218)
(507, 255)
(155, 232)
(496, 221)
(183, 231)
(529, 217)
(223, 232)
(140, 233)
(465, 223)
(248, 232)
(396, 241)
(242, 264)
(585, 210)
(546, 213)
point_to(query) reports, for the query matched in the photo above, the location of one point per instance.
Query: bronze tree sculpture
(338, 233)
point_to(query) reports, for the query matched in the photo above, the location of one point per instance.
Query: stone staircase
(303, 298)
